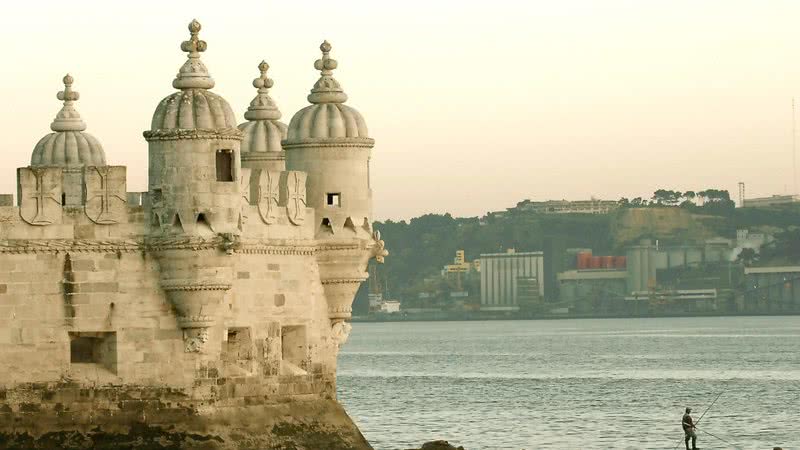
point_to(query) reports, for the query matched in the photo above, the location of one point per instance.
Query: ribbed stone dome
(194, 106)
(262, 133)
(327, 120)
(68, 148)
(69, 145)
(262, 136)
(328, 116)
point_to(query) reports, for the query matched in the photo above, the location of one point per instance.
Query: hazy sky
(474, 105)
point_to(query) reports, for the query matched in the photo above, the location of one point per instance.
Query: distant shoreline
(470, 318)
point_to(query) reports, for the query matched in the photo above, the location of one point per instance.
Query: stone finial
(326, 89)
(326, 64)
(263, 107)
(193, 74)
(68, 118)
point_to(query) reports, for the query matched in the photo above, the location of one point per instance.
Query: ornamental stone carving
(194, 339)
(296, 196)
(40, 191)
(105, 190)
(340, 331)
(268, 195)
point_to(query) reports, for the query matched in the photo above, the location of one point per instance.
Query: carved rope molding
(263, 247)
(357, 280)
(194, 133)
(329, 143)
(20, 246)
(264, 156)
(191, 285)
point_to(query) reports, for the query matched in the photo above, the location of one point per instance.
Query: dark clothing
(688, 423)
(688, 430)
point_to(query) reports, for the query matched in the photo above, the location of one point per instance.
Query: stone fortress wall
(206, 312)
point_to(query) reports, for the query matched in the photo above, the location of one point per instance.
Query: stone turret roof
(263, 131)
(328, 116)
(69, 145)
(194, 106)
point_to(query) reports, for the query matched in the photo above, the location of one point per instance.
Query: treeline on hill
(420, 247)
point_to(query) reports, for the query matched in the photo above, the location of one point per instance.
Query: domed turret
(328, 116)
(194, 194)
(261, 143)
(193, 107)
(328, 140)
(69, 145)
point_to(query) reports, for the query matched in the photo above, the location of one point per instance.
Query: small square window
(333, 199)
(99, 348)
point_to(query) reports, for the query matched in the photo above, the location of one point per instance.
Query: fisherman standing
(689, 430)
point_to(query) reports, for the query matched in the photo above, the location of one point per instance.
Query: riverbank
(467, 317)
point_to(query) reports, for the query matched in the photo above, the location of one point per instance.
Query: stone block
(82, 264)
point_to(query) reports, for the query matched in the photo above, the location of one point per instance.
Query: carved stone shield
(244, 185)
(296, 196)
(105, 188)
(40, 190)
(268, 193)
(244, 188)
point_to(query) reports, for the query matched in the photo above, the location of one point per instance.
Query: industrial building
(505, 275)
(774, 289)
(771, 201)
(591, 206)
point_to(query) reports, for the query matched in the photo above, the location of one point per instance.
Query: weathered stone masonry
(207, 312)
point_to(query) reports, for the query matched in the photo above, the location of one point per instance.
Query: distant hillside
(668, 224)
(420, 247)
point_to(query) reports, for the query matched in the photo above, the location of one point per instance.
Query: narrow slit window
(333, 199)
(225, 165)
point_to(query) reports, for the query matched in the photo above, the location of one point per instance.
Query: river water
(575, 384)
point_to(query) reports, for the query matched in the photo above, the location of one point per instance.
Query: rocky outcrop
(312, 425)
(439, 445)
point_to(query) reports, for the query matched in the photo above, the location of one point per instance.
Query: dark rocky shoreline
(438, 445)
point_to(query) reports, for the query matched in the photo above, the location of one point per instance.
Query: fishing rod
(701, 416)
(714, 435)
(709, 407)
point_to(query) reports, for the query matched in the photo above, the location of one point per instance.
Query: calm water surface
(577, 384)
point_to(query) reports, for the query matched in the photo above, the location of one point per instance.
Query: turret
(263, 132)
(69, 147)
(194, 194)
(329, 141)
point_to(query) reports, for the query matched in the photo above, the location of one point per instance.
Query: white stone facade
(219, 296)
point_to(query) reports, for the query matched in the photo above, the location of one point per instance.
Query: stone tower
(328, 140)
(206, 312)
(194, 194)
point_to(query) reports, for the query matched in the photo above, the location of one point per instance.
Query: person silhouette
(689, 429)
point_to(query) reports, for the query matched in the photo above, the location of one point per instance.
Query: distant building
(461, 265)
(673, 296)
(500, 275)
(576, 285)
(772, 288)
(775, 200)
(390, 306)
(375, 300)
(591, 206)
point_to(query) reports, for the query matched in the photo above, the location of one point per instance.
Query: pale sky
(474, 105)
